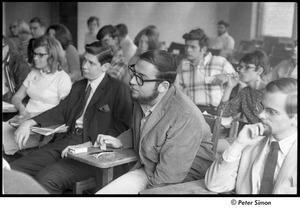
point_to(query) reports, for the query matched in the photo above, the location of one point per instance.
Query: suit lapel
(288, 165)
(100, 91)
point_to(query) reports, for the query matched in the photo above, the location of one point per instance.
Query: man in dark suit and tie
(96, 104)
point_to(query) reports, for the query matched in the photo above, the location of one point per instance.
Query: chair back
(215, 127)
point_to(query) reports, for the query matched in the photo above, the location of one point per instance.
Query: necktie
(268, 177)
(83, 102)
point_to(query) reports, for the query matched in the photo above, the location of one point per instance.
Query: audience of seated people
(108, 35)
(126, 43)
(93, 24)
(64, 36)
(263, 158)
(201, 75)
(161, 104)
(14, 70)
(160, 109)
(45, 85)
(98, 104)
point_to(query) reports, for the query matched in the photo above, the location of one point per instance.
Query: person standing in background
(93, 24)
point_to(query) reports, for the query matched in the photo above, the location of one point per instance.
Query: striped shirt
(195, 80)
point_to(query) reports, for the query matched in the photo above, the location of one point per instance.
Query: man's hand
(23, 132)
(66, 150)
(250, 134)
(109, 140)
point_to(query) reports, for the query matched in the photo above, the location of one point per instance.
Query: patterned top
(118, 66)
(195, 81)
(245, 102)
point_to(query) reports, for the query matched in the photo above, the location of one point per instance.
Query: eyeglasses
(39, 55)
(139, 80)
(259, 108)
(247, 67)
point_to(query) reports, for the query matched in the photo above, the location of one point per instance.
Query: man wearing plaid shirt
(109, 36)
(201, 75)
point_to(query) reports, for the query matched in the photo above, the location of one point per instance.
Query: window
(277, 19)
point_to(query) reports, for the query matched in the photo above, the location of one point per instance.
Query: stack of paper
(50, 130)
(7, 107)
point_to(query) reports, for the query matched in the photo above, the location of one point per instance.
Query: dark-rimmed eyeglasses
(39, 55)
(246, 67)
(140, 81)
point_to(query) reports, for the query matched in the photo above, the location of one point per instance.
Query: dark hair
(287, 86)
(107, 29)
(222, 22)
(122, 28)
(153, 37)
(104, 54)
(197, 34)
(56, 60)
(164, 62)
(259, 58)
(38, 20)
(62, 34)
(92, 19)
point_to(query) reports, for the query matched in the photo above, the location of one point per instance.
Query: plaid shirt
(195, 81)
(118, 66)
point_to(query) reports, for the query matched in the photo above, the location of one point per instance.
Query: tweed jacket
(170, 139)
(243, 174)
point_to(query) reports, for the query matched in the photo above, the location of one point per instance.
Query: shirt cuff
(233, 153)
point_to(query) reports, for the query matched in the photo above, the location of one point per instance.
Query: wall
(173, 19)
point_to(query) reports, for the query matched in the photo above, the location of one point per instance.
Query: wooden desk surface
(121, 156)
(192, 187)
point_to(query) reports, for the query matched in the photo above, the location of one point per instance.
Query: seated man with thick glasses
(167, 130)
(263, 158)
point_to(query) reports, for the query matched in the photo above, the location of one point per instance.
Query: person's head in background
(253, 66)
(96, 60)
(147, 39)
(222, 27)
(37, 27)
(123, 31)
(278, 109)
(108, 35)
(48, 54)
(61, 33)
(196, 44)
(19, 27)
(93, 24)
(152, 76)
(294, 54)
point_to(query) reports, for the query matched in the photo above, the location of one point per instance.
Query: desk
(106, 164)
(192, 187)
(8, 111)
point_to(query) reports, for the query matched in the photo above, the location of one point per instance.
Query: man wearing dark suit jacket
(107, 110)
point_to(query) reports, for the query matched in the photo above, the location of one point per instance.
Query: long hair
(153, 37)
(56, 59)
(62, 34)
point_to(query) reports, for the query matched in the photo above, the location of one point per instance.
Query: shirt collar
(224, 34)
(286, 144)
(95, 83)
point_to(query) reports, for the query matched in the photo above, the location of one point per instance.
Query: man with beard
(263, 158)
(98, 104)
(167, 127)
